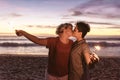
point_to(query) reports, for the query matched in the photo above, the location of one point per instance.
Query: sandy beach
(107, 69)
(24, 67)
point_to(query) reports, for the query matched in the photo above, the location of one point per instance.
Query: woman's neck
(64, 39)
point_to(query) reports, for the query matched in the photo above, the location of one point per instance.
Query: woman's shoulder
(52, 38)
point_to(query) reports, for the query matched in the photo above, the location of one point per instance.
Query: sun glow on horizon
(51, 30)
(35, 17)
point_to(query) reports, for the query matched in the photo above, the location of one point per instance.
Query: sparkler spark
(97, 47)
(11, 25)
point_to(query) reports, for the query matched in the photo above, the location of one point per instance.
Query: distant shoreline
(15, 44)
(50, 35)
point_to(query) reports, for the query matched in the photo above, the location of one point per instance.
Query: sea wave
(104, 44)
(11, 44)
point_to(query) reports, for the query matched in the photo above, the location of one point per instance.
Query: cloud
(114, 27)
(10, 15)
(15, 15)
(110, 25)
(101, 23)
(48, 26)
(76, 13)
(40, 26)
(30, 26)
(98, 8)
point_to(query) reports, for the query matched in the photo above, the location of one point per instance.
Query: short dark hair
(83, 27)
(61, 26)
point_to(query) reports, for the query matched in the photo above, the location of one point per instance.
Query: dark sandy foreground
(17, 67)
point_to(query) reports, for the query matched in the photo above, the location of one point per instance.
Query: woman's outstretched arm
(40, 41)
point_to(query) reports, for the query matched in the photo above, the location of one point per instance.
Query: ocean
(22, 46)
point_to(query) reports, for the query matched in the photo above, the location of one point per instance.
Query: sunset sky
(43, 16)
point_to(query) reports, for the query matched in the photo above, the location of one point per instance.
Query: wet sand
(24, 67)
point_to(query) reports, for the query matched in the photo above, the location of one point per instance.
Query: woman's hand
(94, 58)
(19, 32)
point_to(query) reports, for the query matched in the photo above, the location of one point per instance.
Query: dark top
(58, 56)
(78, 69)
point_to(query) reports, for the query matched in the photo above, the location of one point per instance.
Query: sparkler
(95, 49)
(13, 27)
